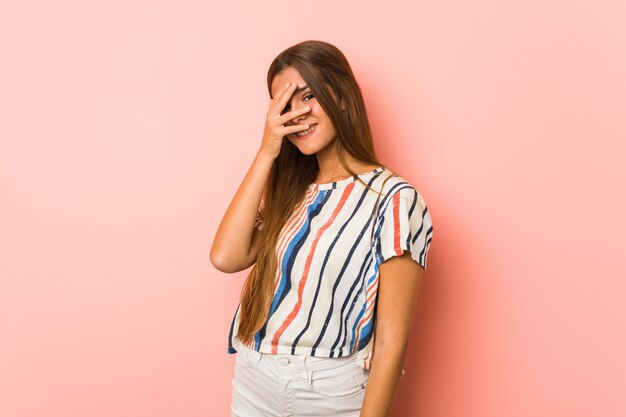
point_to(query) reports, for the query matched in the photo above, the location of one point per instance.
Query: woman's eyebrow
(300, 89)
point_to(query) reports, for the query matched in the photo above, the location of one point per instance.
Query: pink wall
(125, 128)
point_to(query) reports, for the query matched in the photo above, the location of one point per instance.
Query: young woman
(339, 245)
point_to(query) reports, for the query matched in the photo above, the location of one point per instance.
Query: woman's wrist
(264, 157)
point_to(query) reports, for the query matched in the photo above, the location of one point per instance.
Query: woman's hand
(275, 129)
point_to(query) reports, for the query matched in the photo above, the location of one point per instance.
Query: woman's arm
(398, 289)
(234, 248)
(236, 241)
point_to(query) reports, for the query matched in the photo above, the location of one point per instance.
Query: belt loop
(308, 372)
(256, 356)
(363, 384)
(251, 354)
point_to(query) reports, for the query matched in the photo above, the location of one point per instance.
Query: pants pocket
(338, 382)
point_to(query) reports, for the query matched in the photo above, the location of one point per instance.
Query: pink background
(126, 127)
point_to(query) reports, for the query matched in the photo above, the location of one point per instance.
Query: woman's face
(324, 133)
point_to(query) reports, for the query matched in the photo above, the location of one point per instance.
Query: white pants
(296, 385)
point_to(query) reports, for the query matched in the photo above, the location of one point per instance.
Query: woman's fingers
(293, 129)
(276, 124)
(284, 95)
(292, 115)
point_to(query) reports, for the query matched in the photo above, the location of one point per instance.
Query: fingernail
(287, 85)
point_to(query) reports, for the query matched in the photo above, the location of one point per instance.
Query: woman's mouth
(306, 133)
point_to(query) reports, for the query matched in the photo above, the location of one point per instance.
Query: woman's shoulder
(392, 185)
(392, 182)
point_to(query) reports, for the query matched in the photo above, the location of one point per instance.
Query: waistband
(296, 362)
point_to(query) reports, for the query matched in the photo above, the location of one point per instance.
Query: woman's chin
(298, 143)
(304, 149)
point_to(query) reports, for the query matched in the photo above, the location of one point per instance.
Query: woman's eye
(288, 107)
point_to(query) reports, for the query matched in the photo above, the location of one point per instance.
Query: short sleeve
(403, 223)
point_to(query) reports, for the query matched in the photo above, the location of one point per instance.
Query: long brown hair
(327, 72)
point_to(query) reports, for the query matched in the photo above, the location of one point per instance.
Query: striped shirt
(328, 255)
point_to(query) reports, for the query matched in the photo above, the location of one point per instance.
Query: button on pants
(296, 385)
